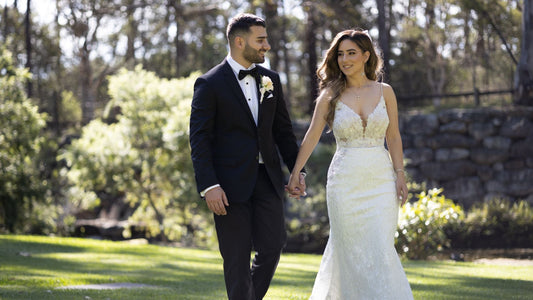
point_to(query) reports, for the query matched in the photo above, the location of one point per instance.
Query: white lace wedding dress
(360, 261)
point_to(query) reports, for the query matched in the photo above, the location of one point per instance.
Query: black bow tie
(254, 72)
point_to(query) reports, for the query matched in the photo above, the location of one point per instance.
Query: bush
(424, 223)
(21, 140)
(307, 219)
(143, 158)
(496, 224)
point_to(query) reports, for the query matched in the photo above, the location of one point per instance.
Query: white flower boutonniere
(266, 86)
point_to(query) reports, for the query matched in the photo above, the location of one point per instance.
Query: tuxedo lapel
(234, 86)
(263, 98)
(260, 109)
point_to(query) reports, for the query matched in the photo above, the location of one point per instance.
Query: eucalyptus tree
(27, 37)
(441, 47)
(384, 27)
(84, 19)
(495, 25)
(524, 78)
(323, 20)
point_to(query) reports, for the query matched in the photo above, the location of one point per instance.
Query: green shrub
(307, 219)
(424, 223)
(496, 224)
(143, 159)
(22, 186)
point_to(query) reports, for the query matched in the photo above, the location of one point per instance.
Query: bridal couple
(239, 129)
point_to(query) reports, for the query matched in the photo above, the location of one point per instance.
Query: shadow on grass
(449, 283)
(46, 266)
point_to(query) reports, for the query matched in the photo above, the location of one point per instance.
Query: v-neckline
(363, 120)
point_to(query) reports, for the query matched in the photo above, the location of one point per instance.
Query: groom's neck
(240, 60)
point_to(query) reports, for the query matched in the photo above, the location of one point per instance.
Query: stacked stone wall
(474, 154)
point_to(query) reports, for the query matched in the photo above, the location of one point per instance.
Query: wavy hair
(330, 75)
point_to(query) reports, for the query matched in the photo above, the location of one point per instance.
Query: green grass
(181, 273)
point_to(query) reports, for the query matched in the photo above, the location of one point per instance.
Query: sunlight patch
(107, 286)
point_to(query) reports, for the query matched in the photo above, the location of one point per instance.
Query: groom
(239, 121)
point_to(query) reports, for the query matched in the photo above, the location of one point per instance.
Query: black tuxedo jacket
(225, 140)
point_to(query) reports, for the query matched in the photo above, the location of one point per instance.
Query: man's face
(256, 45)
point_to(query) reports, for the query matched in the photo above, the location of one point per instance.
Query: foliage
(307, 223)
(143, 158)
(423, 224)
(437, 46)
(497, 223)
(307, 220)
(20, 142)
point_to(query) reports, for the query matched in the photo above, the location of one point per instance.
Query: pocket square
(266, 96)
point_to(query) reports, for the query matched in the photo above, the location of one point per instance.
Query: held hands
(217, 201)
(296, 187)
(401, 187)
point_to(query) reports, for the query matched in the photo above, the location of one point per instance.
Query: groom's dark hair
(241, 23)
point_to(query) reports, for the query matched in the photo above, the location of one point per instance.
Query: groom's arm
(201, 128)
(282, 129)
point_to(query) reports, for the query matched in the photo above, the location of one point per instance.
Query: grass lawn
(35, 267)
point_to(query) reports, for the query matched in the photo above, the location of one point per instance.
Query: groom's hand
(296, 190)
(217, 201)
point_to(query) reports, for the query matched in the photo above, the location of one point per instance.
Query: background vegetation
(95, 98)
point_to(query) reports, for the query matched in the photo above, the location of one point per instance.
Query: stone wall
(474, 154)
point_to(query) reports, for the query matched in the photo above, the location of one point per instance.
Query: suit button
(257, 157)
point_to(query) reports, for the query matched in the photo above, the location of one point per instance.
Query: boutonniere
(266, 86)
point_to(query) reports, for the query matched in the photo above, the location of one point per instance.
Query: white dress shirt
(248, 87)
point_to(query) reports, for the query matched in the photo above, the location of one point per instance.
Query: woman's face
(350, 58)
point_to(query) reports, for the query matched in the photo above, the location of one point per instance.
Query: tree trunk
(312, 60)
(5, 20)
(524, 82)
(384, 41)
(272, 19)
(178, 21)
(286, 67)
(86, 85)
(131, 33)
(27, 30)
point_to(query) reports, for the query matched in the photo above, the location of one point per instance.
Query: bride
(366, 183)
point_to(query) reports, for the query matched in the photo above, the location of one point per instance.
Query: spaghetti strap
(381, 85)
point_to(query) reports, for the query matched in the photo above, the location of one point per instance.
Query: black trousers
(258, 224)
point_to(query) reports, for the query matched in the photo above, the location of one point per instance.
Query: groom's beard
(252, 55)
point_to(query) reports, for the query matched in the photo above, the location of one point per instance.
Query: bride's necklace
(356, 90)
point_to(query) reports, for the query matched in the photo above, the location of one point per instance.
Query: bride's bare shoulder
(325, 96)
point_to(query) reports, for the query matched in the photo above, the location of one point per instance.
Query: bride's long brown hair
(330, 75)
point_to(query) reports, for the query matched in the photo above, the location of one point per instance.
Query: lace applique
(350, 130)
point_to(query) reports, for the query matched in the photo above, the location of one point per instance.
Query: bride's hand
(295, 188)
(401, 188)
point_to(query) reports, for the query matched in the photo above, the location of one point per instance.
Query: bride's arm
(311, 138)
(394, 141)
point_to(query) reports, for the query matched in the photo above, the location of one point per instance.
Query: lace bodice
(352, 131)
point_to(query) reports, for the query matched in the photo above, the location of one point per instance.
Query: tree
(20, 142)
(384, 26)
(524, 72)
(85, 19)
(312, 58)
(27, 31)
